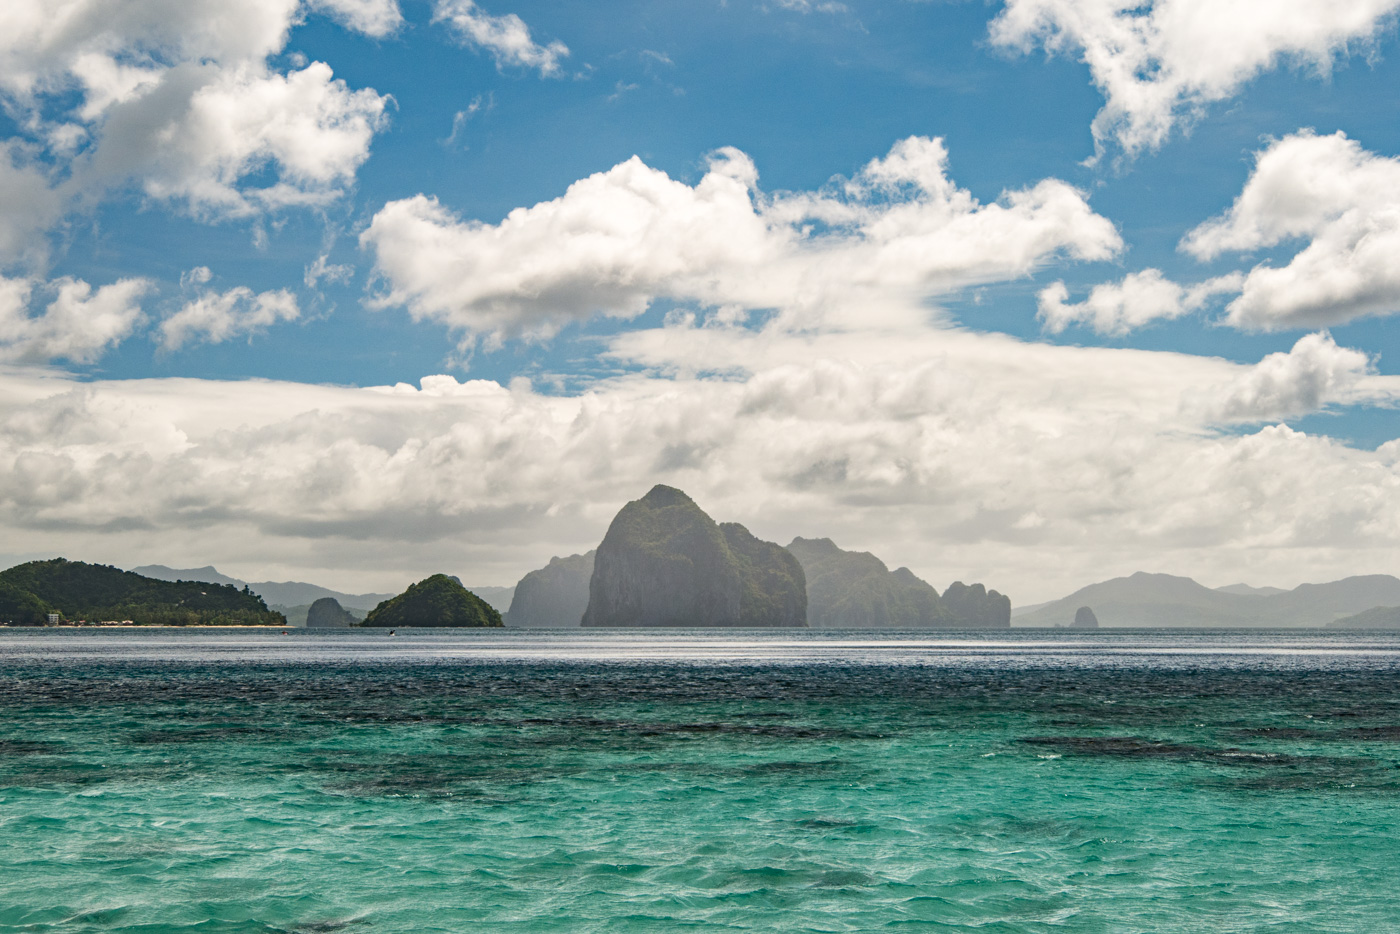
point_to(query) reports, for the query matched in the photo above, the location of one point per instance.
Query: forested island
(74, 591)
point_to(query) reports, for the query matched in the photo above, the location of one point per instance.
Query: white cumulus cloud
(215, 317)
(177, 97)
(371, 17)
(1161, 62)
(200, 134)
(506, 38)
(1138, 299)
(618, 240)
(1314, 374)
(77, 324)
(1344, 202)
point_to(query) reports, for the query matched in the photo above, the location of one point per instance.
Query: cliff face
(436, 601)
(664, 562)
(555, 595)
(855, 590)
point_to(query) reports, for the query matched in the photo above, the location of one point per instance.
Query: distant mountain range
(1156, 600)
(280, 593)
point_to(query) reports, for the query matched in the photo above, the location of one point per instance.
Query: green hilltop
(436, 601)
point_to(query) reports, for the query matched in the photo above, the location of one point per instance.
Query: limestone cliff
(664, 562)
(555, 595)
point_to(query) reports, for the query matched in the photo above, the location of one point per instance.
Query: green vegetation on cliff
(21, 608)
(774, 590)
(664, 562)
(436, 601)
(96, 592)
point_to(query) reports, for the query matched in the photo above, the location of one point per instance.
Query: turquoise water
(164, 781)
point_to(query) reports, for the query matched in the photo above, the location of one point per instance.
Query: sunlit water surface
(521, 781)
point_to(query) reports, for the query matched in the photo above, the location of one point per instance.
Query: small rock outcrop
(976, 607)
(1084, 618)
(436, 601)
(855, 590)
(327, 613)
(665, 563)
(556, 595)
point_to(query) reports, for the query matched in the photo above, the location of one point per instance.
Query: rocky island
(665, 563)
(327, 613)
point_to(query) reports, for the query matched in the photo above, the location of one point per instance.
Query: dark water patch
(204, 735)
(27, 747)
(63, 773)
(1341, 774)
(827, 765)
(827, 823)
(326, 927)
(1277, 732)
(380, 691)
(844, 879)
(665, 728)
(1383, 734)
(1389, 733)
(1135, 747)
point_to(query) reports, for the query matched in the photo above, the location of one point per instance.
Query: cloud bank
(959, 454)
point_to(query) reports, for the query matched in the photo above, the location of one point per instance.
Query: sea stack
(1084, 618)
(556, 595)
(975, 607)
(665, 563)
(327, 613)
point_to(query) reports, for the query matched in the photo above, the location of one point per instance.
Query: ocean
(160, 781)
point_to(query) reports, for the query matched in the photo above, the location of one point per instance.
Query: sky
(1034, 293)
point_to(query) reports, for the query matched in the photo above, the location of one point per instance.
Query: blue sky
(827, 273)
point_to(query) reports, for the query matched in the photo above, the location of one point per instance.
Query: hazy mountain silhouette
(283, 593)
(1166, 600)
(555, 595)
